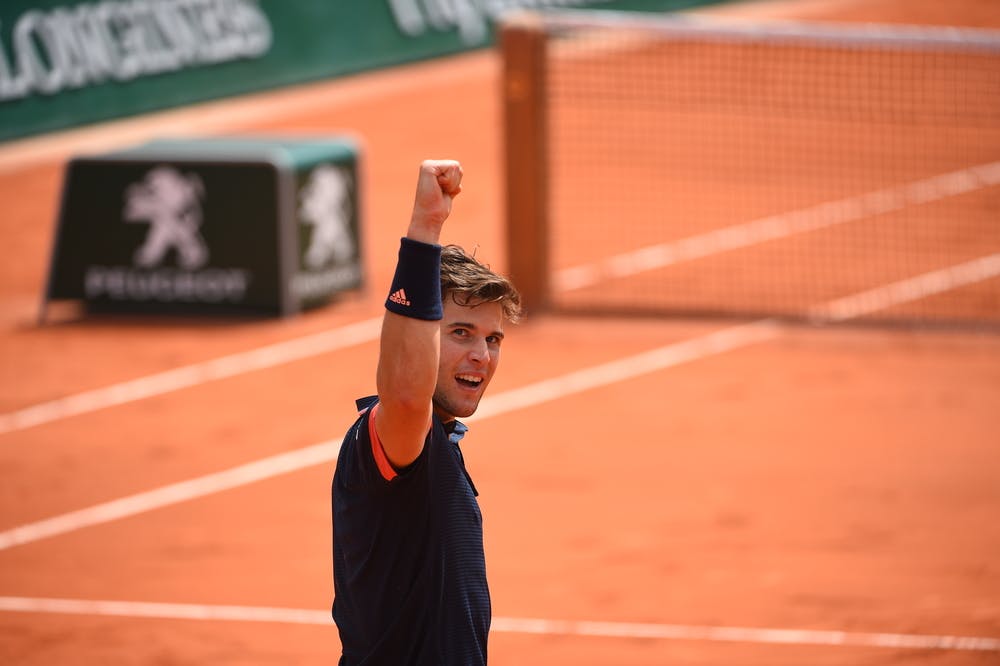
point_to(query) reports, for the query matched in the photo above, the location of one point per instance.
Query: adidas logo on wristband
(399, 297)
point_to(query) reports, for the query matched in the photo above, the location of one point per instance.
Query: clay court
(655, 490)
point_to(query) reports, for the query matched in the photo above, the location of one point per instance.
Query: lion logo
(171, 203)
(325, 204)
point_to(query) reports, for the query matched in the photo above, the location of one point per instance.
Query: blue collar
(456, 431)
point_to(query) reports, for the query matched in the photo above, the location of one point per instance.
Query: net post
(522, 42)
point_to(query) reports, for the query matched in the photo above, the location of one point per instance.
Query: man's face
(470, 352)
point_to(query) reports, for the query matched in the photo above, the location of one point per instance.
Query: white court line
(905, 291)
(271, 614)
(531, 395)
(776, 227)
(175, 493)
(763, 635)
(742, 634)
(627, 368)
(192, 375)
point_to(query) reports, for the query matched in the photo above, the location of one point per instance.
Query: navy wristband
(416, 286)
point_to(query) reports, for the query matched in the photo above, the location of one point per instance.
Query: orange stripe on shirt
(381, 460)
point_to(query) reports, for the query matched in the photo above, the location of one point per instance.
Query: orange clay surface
(843, 480)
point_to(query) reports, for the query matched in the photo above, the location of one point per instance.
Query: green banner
(65, 63)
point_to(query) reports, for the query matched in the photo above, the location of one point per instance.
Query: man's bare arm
(410, 347)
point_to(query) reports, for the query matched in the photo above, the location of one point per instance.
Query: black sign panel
(328, 232)
(272, 228)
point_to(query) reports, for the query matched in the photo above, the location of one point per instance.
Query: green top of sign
(299, 152)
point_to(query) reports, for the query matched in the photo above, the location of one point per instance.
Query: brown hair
(469, 282)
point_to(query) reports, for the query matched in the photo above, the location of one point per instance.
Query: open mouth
(469, 381)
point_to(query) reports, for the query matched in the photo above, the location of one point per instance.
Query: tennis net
(692, 165)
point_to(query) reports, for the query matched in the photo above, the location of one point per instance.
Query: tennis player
(409, 570)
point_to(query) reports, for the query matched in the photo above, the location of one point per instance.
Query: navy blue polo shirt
(408, 564)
